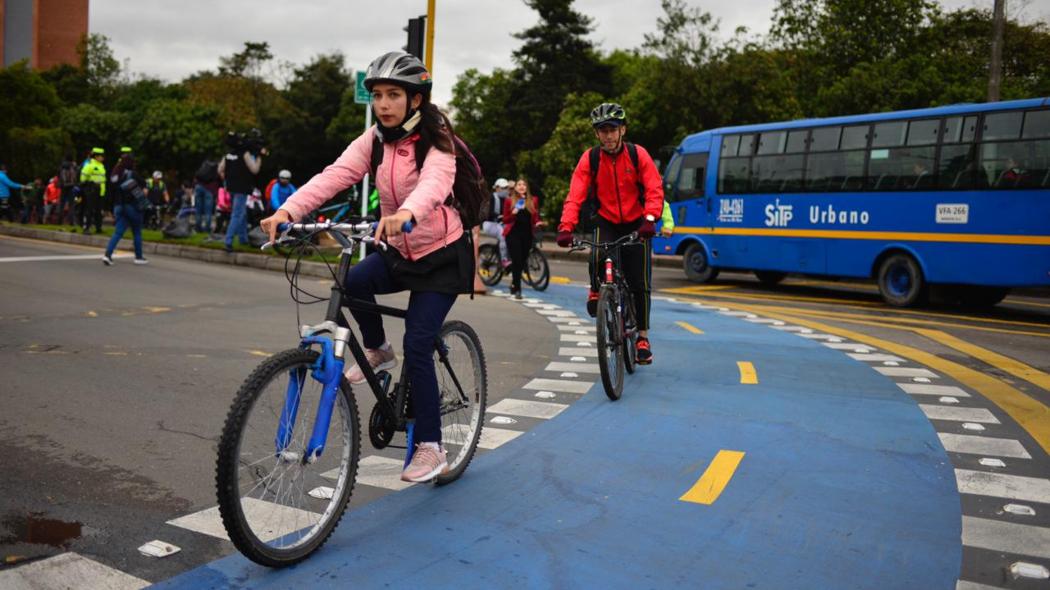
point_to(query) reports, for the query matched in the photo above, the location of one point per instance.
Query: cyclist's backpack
(470, 195)
(68, 175)
(589, 210)
(208, 172)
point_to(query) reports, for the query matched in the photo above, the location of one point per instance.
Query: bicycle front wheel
(630, 333)
(277, 507)
(537, 271)
(463, 387)
(610, 339)
(490, 267)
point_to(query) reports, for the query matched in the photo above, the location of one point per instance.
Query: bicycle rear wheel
(490, 267)
(276, 507)
(630, 333)
(610, 339)
(463, 386)
(537, 271)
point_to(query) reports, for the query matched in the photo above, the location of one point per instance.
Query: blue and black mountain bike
(289, 450)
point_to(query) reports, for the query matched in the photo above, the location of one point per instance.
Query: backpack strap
(632, 151)
(595, 157)
(421, 147)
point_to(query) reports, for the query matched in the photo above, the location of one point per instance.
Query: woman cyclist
(521, 217)
(434, 262)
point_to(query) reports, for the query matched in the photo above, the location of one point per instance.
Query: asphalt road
(117, 382)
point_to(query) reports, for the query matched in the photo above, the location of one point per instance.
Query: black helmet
(400, 68)
(608, 113)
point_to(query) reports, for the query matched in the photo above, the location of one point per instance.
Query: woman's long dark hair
(434, 126)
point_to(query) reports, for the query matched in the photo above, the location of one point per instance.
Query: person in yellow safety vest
(666, 221)
(93, 187)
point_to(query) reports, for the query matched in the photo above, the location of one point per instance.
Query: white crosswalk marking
(1006, 537)
(982, 445)
(285, 519)
(965, 585)
(926, 389)
(577, 338)
(848, 346)
(827, 337)
(765, 321)
(958, 414)
(906, 372)
(380, 472)
(1001, 485)
(860, 356)
(577, 367)
(558, 385)
(529, 409)
(495, 437)
(568, 319)
(577, 352)
(806, 332)
(65, 571)
(570, 328)
(556, 312)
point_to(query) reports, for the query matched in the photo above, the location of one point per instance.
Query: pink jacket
(400, 187)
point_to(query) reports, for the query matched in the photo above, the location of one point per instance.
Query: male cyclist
(630, 198)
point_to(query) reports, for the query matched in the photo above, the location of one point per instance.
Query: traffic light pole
(429, 53)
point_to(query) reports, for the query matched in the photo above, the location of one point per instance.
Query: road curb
(212, 255)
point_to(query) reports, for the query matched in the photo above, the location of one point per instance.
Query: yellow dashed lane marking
(258, 353)
(748, 376)
(689, 327)
(715, 478)
(560, 280)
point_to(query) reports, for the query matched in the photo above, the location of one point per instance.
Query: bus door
(689, 205)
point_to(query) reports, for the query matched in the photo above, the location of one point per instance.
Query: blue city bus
(956, 195)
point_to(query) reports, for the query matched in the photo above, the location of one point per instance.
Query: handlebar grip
(283, 226)
(407, 227)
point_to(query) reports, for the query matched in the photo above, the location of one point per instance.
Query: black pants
(518, 246)
(92, 206)
(635, 264)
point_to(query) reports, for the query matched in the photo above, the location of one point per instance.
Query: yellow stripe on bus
(870, 235)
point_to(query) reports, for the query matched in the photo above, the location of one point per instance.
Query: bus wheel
(901, 282)
(983, 296)
(769, 277)
(696, 266)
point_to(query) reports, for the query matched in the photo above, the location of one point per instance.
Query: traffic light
(417, 30)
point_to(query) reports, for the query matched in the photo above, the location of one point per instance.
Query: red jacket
(509, 217)
(617, 188)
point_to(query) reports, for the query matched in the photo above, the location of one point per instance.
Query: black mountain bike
(537, 272)
(617, 327)
(289, 449)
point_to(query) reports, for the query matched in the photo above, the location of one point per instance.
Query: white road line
(577, 338)
(209, 522)
(1001, 485)
(827, 337)
(577, 352)
(855, 347)
(958, 414)
(925, 389)
(496, 437)
(1006, 537)
(62, 257)
(68, 570)
(556, 312)
(807, 332)
(576, 367)
(907, 372)
(380, 472)
(561, 385)
(765, 321)
(571, 328)
(739, 314)
(527, 408)
(860, 356)
(966, 585)
(982, 445)
(568, 319)
(542, 305)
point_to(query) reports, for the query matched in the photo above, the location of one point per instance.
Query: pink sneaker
(381, 359)
(428, 462)
(506, 263)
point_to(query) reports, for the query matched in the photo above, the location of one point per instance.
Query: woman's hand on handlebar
(269, 224)
(391, 225)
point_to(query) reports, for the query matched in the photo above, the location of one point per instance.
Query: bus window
(772, 143)
(1016, 164)
(958, 170)
(855, 137)
(959, 129)
(729, 145)
(901, 169)
(747, 145)
(780, 173)
(923, 132)
(889, 134)
(825, 139)
(835, 171)
(671, 176)
(734, 175)
(1002, 126)
(691, 179)
(796, 142)
(1036, 124)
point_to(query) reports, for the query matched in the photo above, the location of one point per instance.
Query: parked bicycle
(290, 446)
(616, 325)
(537, 272)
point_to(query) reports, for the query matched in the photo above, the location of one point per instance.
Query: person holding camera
(240, 169)
(129, 202)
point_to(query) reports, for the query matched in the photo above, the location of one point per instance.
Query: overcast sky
(172, 39)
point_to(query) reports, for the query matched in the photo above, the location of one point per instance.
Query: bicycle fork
(328, 370)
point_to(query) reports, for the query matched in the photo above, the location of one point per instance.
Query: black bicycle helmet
(608, 113)
(400, 68)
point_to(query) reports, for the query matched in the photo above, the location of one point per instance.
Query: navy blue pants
(426, 314)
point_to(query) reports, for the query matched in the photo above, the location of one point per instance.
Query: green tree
(89, 126)
(479, 102)
(100, 68)
(175, 135)
(35, 152)
(26, 99)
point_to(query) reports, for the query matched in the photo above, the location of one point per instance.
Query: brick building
(45, 32)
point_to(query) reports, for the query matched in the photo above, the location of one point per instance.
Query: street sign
(361, 94)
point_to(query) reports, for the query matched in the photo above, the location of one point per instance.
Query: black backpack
(208, 172)
(589, 210)
(470, 195)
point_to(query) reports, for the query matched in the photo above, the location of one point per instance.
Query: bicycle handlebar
(629, 239)
(354, 231)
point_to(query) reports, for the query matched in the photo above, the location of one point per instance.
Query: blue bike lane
(843, 483)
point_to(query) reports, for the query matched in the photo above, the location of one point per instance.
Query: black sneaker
(643, 356)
